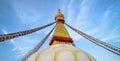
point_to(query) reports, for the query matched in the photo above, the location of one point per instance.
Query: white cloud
(112, 35)
(16, 46)
(106, 14)
(23, 45)
(26, 14)
(64, 5)
(102, 26)
(5, 32)
(70, 10)
(23, 52)
(82, 12)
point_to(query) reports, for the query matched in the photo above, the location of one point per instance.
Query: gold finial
(59, 13)
(59, 10)
(59, 16)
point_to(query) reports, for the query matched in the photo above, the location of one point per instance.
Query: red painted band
(60, 39)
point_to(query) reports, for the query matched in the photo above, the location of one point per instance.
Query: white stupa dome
(61, 52)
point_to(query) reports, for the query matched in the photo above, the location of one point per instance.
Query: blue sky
(98, 18)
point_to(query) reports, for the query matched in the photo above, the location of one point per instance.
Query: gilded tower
(60, 47)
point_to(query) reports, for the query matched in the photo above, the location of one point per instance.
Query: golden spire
(59, 16)
(60, 35)
(59, 13)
